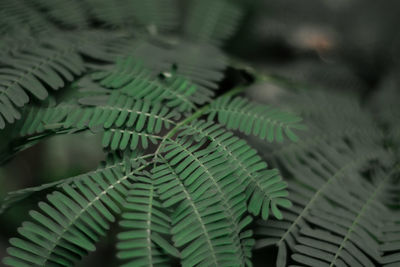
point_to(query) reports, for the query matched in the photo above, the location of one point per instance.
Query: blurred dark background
(339, 44)
(347, 45)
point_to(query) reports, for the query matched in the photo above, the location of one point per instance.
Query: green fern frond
(338, 148)
(112, 163)
(126, 111)
(315, 185)
(320, 146)
(176, 187)
(390, 241)
(155, 15)
(263, 187)
(212, 21)
(49, 64)
(129, 74)
(130, 78)
(145, 227)
(122, 139)
(341, 234)
(19, 15)
(249, 118)
(324, 110)
(68, 14)
(329, 129)
(12, 43)
(69, 225)
(41, 122)
(202, 64)
(115, 110)
(124, 121)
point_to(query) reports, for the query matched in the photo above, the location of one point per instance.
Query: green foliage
(182, 180)
(339, 215)
(31, 69)
(217, 26)
(144, 212)
(180, 185)
(264, 122)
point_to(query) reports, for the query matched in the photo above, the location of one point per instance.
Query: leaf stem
(201, 111)
(194, 116)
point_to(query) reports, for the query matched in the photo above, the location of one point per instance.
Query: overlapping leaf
(71, 222)
(219, 24)
(346, 235)
(264, 188)
(145, 228)
(199, 187)
(31, 71)
(132, 79)
(259, 120)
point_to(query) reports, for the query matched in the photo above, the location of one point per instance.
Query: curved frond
(341, 234)
(19, 16)
(32, 70)
(155, 15)
(113, 162)
(206, 234)
(132, 79)
(68, 14)
(315, 185)
(265, 189)
(390, 240)
(259, 120)
(145, 228)
(71, 222)
(122, 139)
(211, 21)
(125, 121)
(122, 111)
(12, 43)
(201, 64)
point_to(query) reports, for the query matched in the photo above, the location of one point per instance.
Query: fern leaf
(200, 179)
(125, 111)
(316, 183)
(264, 188)
(318, 143)
(68, 14)
(389, 246)
(49, 64)
(201, 64)
(18, 16)
(200, 232)
(12, 43)
(248, 118)
(112, 163)
(71, 222)
(145, 225)
(157, 16)
(212, 21)
(132, 79)
(154, 15)
(343, 234)
(126, 122)
(41, 122)
(121, 139)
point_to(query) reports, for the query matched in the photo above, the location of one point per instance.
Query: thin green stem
(194, 116)
(201, 111)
